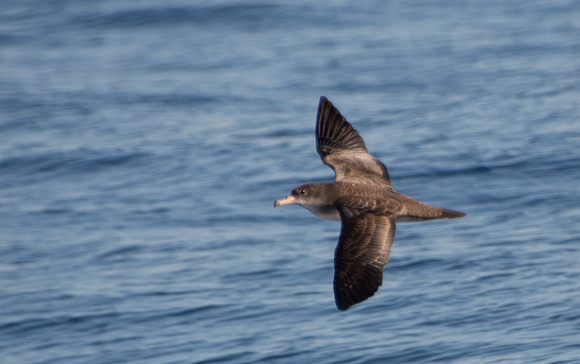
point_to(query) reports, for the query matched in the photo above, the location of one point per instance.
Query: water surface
(143, 144)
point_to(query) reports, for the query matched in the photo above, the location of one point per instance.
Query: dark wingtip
(342, 308)
(348, 293)
(333, 132)
(343, 303)
(323, 104)
(349, 298)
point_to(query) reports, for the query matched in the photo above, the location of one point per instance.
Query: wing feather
(341, 148)
(362, 252)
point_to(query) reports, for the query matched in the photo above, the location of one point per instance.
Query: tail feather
(451, 214)
(418, 211)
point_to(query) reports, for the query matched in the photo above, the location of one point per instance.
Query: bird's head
(302, 195)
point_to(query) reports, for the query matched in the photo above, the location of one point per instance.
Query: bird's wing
(341, 148)
(361, 254)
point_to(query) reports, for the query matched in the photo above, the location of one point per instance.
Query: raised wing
(361, 254)
(341, 148)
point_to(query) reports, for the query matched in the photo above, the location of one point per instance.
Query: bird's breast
(328, 212)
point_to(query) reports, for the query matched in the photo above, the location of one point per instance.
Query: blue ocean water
(142, 145)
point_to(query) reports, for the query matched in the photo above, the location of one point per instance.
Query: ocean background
(143, 143)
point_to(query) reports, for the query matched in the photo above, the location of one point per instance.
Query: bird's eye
(302, 192)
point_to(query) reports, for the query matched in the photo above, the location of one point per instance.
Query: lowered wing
(362, 252)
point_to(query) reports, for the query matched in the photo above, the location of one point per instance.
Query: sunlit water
(142, 145)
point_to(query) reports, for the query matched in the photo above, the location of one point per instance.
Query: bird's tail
(418, 211)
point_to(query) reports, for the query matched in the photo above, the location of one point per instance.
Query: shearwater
(363, 199)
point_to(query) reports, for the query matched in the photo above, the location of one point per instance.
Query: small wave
(527, 165)
(280, 133)
(9, 39)
(192, 311)
(414, 264)
(467, 170)
(74, 161)
(119, 252)
(169, 99)
(33, 324)
(162, 16)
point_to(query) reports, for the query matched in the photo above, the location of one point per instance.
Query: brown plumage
(363, 199)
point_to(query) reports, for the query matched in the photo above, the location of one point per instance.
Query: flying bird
(363, 199)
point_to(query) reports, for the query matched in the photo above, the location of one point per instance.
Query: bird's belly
(328, 212)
